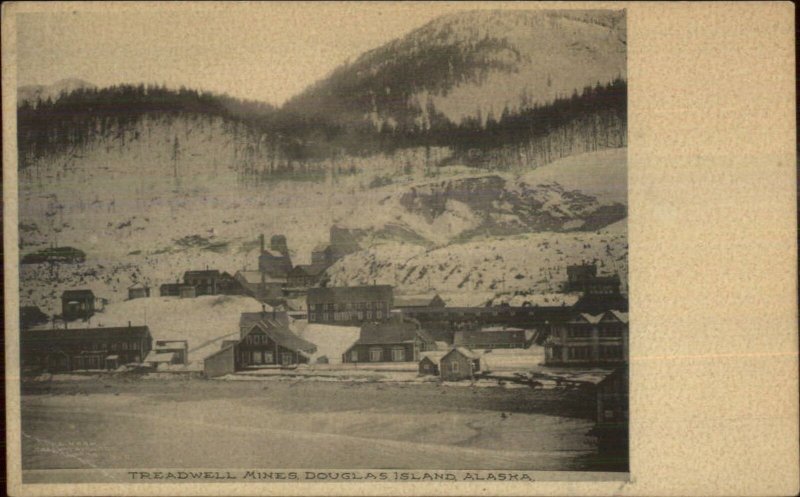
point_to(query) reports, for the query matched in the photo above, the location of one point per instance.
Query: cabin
(491, 338)
(304, 276)
(349, 305)
(77, 304)
(429, 362)
(611, 427)
(30, 316)
(263, 345)
(459, 364)
(596, 339)
(138, 291)
(179, 349)
(390, 341)
(419, 302)
(205, 282)
(60, 350)
(275, 262)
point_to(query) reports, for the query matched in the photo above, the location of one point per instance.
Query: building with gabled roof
(265, 344)
(459, 363)
(138, 291)
(395, 340)
(589, 339)
(84, 348)
(349, 304)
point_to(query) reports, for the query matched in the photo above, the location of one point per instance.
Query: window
(286, 358)
(134, 345)
(608, 414)
(398, 354)
(354, 355)
(268, 357)
(454, 367)
(375, 355)
(257, 357)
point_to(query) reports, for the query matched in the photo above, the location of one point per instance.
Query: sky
(266, 52)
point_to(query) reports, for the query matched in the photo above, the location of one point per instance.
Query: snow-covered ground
(331, 341)
(204, 321)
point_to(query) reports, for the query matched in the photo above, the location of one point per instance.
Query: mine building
(70, 349)
(77, 304)
(349, 305)
(275, 261)
(304, 276)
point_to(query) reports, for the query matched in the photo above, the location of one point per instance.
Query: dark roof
(478, 338)
(391, 332)
(77, 294)
(171, 285)
(109, 333)
(281, 318)
(202, 273)
(345, 294)
(284, 337)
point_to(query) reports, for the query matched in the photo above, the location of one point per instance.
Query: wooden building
(459, 364)
(429, 362)
(84, 348)
(264, 345)
(589, 339)
(611, 427)
(212, 282)
(138, 291)
(77, 304)
(349, 305)
(491, 338)
(170, 289)
(178, 348)
(390, 341)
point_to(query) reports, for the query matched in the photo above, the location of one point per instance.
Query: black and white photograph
(328, 242)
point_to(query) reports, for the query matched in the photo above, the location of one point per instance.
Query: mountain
(32, 93)
(150, 182)
(472, 64)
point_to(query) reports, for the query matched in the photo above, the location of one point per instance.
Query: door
(286, 358)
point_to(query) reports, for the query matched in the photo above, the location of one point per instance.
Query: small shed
(138, 291)
(156, 359)
(459, 364)
(429, 364)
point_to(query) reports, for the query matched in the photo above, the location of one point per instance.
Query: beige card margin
(713, 260)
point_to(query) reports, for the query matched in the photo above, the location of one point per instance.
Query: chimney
(261, 239)
(129, 324)
(263, 309)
